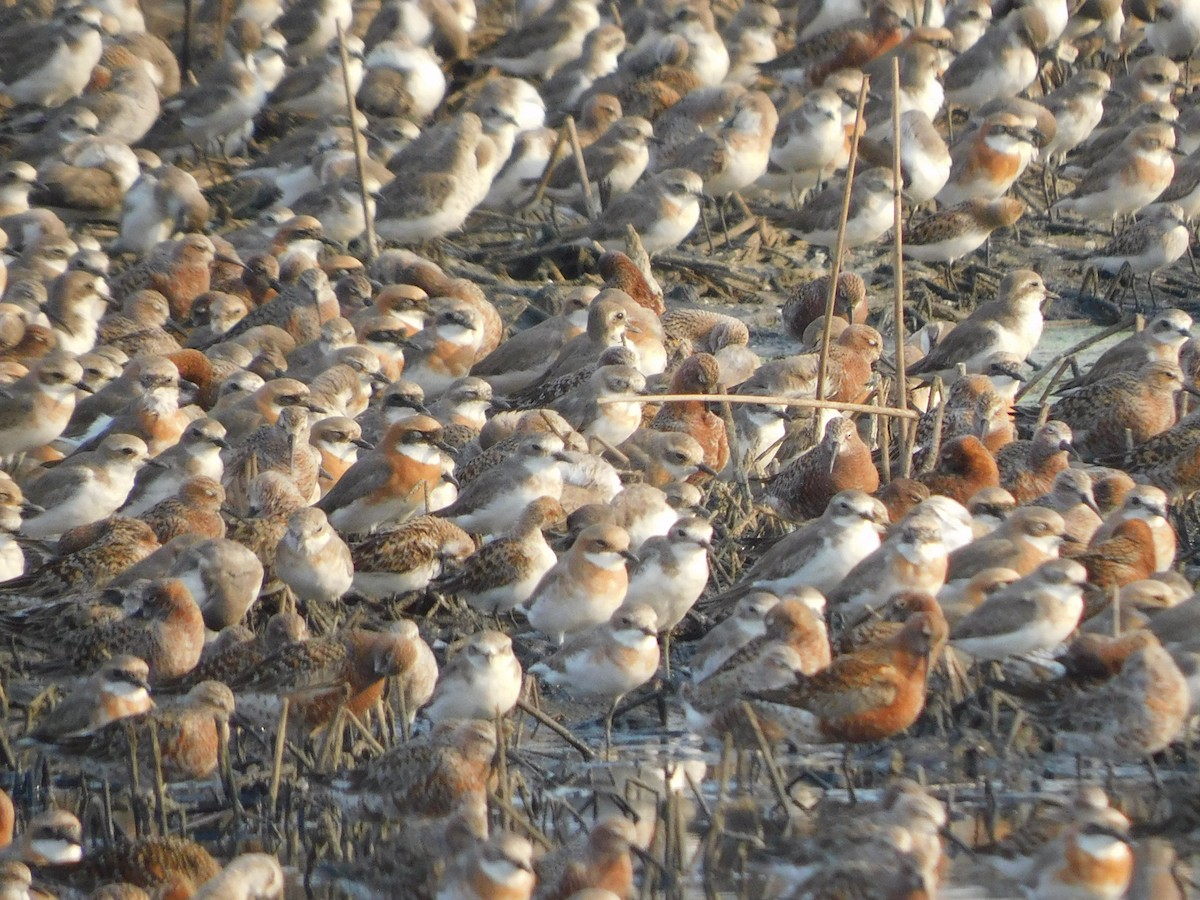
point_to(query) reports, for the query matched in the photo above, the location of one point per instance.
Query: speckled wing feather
(939, 226)
(853, 685)
(313, 663)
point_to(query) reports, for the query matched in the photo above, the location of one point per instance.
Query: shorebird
(1000, 64)
(543, 45)
(808, 139)
(600, 862)
(1128, 179)
(160, 203)
(851, 45)
(871, 212)
(967, 21)
(1136, 714)
(913, 558)
(402, 475)
(614, 162)
(585, 586)
(1147, 504)
(85, 488)
(607, 661)
(1140, 403)
(53, 62)
(428, 776)
(249, 874)
(1078, 106)
(841, 461)
(672, 571)
(835, 703)
(1012, 323)
(818, 555)
(1035, 613)
(742, 626)
(589, 413)
(1028, 468)
(1160, 341)
(949, 234)
(409, 557)
(480, 680)
(1030, 537)
(500, 866)
(699, 374)
(503, 573)
(313, 560)
(964, 468)
(920, 56)
(988, 161)
(736, 155)
(1071, 496)
(663, 213)
(320, 674)
(433, 197)
(119, 689)
(925, 160)
(190, 730)
(1156, 240)
(35, 409)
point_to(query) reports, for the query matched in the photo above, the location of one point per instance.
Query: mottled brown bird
(1105, 417)
(1133, 715)
(602, 861)
(849, 46)
(195, 509)
(1028, 468)
(319, 675)
(621, 272)
(180, 272)
(699, 374)
(428, 776)
(865, 696)
(806, 303)
(168, 635)
(965, 467)
(110, 547)
(840, 462)
(1124, 557)
(1170, 460)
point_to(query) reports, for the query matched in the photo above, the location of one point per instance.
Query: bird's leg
(951, 281)
(1111, 296)
(1154, 777)
(608, 723)
(707, 232)
(719, 203)
(1091, 279)
(848, 774)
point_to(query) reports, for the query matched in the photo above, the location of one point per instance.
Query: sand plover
(1128, 179)
(1035, 613)
(481, 679)
(1012, 323)
(585, 587)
